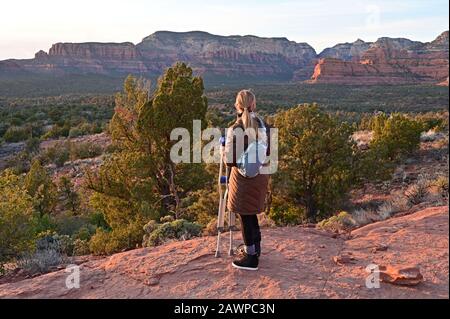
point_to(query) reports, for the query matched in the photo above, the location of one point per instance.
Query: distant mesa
(208, 54)
(386, 61)
(41, 55)
(346, 51)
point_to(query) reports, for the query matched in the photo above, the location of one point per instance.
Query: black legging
(250, 229)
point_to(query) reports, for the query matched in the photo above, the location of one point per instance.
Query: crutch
(222, 183)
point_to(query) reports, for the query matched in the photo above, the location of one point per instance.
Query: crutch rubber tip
(231, 252)
(217, 255)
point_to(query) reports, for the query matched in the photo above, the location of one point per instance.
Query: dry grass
(418, 192)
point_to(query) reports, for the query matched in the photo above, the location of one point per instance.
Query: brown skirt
(247, 196)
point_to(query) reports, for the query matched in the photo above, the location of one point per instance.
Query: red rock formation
(335, 71)
(389, 61)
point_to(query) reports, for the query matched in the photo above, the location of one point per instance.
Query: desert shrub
(441, 183)
(386, 210)
(81, 247)
(49, 253)
(58, 130)
(105, 242)
(211, 228)
(396, 136)
(417, 192)
(74, 226)
(57, 154)
(84, 150)
(436, 121)
(204, 206)
(16, 134)
(32, 145)
(85, 232)
(66, 243)
(400, 203)
(179, 229)
(84, 128)
(16, 218)
(166, 219)
(283, 213)
(363, 217)
(341, 222)
(75, 132)
(100, 243)
(150, 226)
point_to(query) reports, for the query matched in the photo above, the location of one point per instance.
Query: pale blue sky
(27, 26)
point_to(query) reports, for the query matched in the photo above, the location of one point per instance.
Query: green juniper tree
(16, 218)
(68, 197)
(40, 187)
(139, 182)
(316, 159)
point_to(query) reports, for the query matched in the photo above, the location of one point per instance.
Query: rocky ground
(297, 262)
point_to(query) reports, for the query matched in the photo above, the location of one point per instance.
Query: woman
(246, 196)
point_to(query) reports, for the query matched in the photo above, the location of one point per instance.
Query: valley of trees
(139, 197)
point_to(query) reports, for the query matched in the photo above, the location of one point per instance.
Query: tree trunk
(173, 190)
(164, 190)
(311, 208)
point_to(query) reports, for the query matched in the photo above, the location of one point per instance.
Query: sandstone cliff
(346, 51)
(389, 61)
(229, 56)
(386, 61)
(209, 55)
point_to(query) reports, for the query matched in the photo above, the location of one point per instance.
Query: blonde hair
(246, 103)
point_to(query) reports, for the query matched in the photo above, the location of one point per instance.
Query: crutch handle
(223, 179)
(222, 140)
